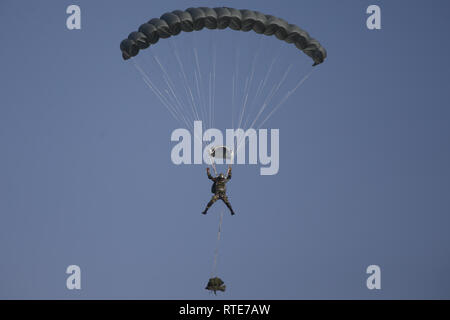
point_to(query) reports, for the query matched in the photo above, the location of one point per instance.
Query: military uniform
(219, 189)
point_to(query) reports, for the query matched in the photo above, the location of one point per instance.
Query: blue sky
(86, 176)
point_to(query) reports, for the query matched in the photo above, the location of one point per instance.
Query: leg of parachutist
(228, 204)
(210, 203)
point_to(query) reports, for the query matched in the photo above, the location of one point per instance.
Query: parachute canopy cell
(195, 19)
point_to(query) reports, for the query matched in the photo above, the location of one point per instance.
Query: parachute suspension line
(271, 94)
(209, 75)
(172, 93)
(233, 80)
(243, 99)
(213, 164)
(283, 100)
(164, 100)
(216, 251)
(262, 84)
(269, 97)
(199, 81)
(158, 94)
(171, 96)
(210, 99)
(249, 82)
(197, 77)
(187, 87)
(202, 108)
(214, 82)
(200, 84)
(235, 83)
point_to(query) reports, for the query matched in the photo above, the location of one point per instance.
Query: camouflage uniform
(219, 189)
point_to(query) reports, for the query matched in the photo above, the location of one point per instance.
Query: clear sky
(86, 176)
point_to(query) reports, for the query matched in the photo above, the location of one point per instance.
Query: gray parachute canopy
(194, 19)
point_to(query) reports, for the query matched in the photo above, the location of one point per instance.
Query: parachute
(195, 19)
(188, 91)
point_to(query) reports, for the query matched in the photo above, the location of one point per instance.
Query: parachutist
(215, 284)
(219, 189)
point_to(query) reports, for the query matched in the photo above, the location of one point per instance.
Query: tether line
(216, 251)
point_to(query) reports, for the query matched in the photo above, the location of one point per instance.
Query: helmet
(221, 176)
